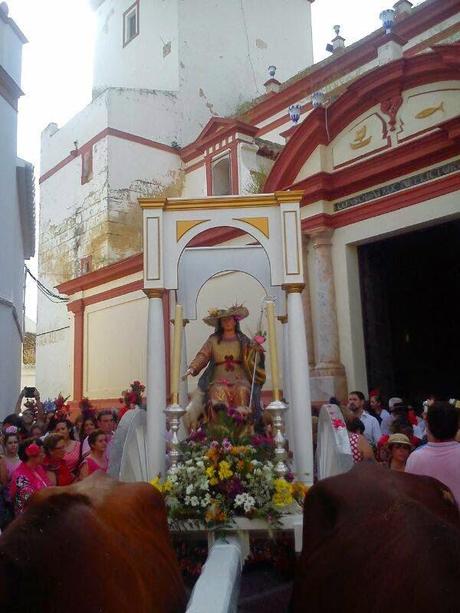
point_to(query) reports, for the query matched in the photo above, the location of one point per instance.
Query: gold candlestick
(176, 354)
(273, 349)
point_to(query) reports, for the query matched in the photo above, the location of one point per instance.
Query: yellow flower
(156, 483)
(167, 486)
(224, 470)
(283, 493)
(210, 473)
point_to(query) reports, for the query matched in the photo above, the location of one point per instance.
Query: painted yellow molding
(259, 223)
(154, 292)
(221, 202)
(183, 226)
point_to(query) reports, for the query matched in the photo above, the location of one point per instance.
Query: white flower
(200, 464)
(194, 501)
(246, 501)
(189, 489)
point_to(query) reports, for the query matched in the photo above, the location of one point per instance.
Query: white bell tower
(211, 55)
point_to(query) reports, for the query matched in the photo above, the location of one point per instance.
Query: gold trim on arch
(184, 225)
(259, 223)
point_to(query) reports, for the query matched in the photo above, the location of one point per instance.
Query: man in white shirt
(356, 404)
(388, 419)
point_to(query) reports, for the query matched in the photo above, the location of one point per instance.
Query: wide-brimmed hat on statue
(238, 311)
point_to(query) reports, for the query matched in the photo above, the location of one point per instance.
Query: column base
(324, 386)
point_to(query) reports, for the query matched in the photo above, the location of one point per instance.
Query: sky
(57, 63)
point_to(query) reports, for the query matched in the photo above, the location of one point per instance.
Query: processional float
(171, 266)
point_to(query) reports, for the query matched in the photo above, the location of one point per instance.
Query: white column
(287, 379)
(300, 401)
(156, 384)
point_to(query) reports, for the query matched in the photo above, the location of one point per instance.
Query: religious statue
(234, 366)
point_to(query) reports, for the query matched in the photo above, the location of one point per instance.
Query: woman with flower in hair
(30, 476)
(228, 356)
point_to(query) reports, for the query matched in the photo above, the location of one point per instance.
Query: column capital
(283, 319)
(321, 236)
(76, 306)
(293, 288)
(154, 292)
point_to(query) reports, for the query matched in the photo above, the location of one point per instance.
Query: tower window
(87, 166)
(221, 177)
(130, 23)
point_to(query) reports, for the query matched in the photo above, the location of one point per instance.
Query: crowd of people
(423, 440)
(41, 446)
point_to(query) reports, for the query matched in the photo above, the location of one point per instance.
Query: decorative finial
(294, 112)
(317, 99)
(272, 71)
(388, 19)
(337, 30)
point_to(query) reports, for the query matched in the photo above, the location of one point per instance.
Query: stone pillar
(307, 303)
(283, 319)
(300, 401)
(156, 384)
(328, 369)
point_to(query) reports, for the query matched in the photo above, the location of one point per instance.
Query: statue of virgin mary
(232, 364)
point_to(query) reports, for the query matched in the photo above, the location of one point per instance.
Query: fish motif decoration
(431, 110)
(360, 138)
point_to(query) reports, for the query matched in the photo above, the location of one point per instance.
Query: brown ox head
(96, 546)
(376, 540)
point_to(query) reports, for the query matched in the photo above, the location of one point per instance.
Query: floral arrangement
(133, 396)
(224, 474)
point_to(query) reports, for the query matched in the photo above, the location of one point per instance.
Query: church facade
(369, 135)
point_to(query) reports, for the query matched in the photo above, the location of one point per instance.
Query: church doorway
(410, 291)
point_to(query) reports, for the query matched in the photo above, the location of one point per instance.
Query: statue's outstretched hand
(187, 373)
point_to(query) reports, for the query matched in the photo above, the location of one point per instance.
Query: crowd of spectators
(41, 446)
(423, 440)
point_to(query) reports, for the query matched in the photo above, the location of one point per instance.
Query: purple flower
(226, 444)
(214, 444)
(197, 436)
(259, 440)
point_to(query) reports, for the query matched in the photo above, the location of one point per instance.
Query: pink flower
(259, 339)
(338, 423)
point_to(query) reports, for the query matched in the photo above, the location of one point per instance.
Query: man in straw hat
(230, 357)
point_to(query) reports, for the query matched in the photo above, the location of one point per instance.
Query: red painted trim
(109, 273)
(436, 146)
(140, 140)
(216, 130)
(364, 93)
(78, 309)
(397, 201)
(423, 17)
(381, 206)
(208, 167)
(115, 292)
(429, 42)
(234, 172)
